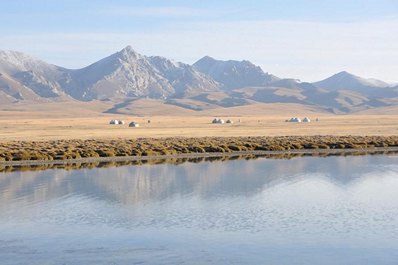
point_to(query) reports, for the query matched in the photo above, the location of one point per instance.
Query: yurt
(218, 121)
(229, 121)
(295, 119)
(306, 119)
(114, 122)
(134, 124)
(121, 122)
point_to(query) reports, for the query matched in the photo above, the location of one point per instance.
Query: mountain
(125, 77)
(347, 81)
(25, 77)
(354, 93)
(130, 74)
(234, 74)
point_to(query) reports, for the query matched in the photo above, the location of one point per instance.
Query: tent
(218, 121)
(134, 124)
(295, 119)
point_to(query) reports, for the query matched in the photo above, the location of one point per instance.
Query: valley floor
(22, 128)
(48, 132)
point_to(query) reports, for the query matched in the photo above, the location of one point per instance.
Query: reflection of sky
(282, 205)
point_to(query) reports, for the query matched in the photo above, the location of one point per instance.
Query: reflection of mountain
(145, 183)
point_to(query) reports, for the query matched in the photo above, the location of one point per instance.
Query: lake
(303, 210)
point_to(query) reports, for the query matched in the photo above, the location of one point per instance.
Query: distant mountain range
(127, 75)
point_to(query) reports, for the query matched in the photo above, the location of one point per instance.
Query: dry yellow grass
(171, 126)
(77, 120)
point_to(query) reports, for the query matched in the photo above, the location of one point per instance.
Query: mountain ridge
(127, 74)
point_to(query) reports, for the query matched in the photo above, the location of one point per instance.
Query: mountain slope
(347, 81)
(25, 77)
(234, 74)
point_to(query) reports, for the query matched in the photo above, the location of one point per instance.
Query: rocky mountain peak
(128, 54)
(234, 74)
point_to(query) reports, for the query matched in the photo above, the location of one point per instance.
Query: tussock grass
(175, 161)
(73, 149)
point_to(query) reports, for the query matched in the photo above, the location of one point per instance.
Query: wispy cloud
(165, 12)
(305, 50)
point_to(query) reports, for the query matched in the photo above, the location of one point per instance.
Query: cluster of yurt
(218, 121)
(116, 122)
(295, 119)
(221, 121)
(120, 122)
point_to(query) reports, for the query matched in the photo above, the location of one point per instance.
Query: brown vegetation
(144, 147)
(176, 160)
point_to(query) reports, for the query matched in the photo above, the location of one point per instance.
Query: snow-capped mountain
(234, 74)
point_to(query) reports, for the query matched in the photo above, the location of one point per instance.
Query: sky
(304, 39)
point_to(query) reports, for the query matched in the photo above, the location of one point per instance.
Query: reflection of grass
(72, 149)
(177, 161)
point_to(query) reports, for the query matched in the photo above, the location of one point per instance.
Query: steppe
(73, 120)
(76, 130)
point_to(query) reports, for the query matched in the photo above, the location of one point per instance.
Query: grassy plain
(77, 120)
(42, 128)
(73, 130)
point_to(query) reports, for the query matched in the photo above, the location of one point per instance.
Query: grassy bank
(105, 162)
(145, 147)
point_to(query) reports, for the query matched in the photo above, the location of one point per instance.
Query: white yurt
(218, 121)
(114, 122)
(134, 124)
(229, 121)
(295, 119)
(306, 119)
(121, 122)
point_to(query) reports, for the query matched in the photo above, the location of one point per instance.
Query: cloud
(163, 12)
(306, 50)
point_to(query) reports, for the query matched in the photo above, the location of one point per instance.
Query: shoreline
(314, 152)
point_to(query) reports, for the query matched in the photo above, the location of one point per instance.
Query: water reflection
(205, 211)
(160, 179)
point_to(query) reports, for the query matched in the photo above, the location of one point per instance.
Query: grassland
(73, 131)
(53, 128)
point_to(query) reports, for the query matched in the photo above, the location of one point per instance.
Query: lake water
(306, 210)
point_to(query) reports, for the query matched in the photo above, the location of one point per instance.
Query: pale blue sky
(304, 39)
